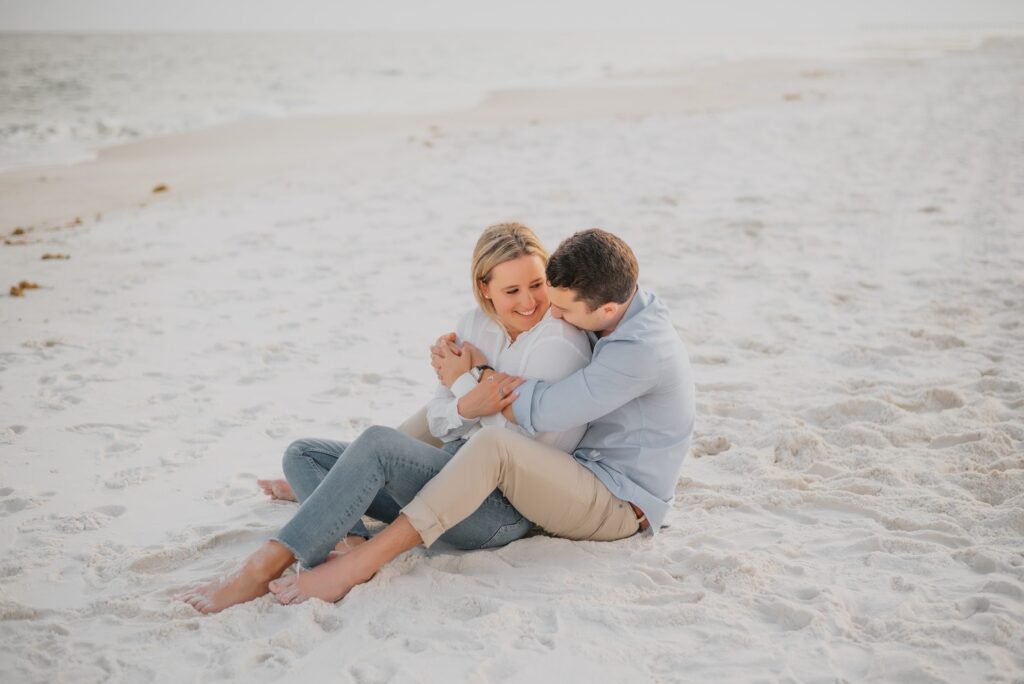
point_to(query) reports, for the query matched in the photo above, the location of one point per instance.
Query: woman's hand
(445, 343)
(451, 363)
(476, 357)
(490, 396)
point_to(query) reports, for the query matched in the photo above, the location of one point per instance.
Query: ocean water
(63, 96)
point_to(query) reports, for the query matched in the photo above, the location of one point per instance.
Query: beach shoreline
(201, 160)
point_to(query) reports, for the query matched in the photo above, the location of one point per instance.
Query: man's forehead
(563, 294)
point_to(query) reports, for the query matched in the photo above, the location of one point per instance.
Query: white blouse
(549, 351)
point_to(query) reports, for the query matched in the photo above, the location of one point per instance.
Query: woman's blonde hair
(498, 244)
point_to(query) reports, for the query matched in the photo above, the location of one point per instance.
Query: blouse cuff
(463, 385)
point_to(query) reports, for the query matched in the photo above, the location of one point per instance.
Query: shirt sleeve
(554, 359)
(443, 419)
(620, 372)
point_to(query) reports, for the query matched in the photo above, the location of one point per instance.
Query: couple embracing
(566, 402)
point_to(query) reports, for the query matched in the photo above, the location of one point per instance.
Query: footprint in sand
(16, 504)
(933, 400)
(864, 410)
(981, 563)
(9, 506)
(1006, 588)
(121, 448)
(130, 476)
(87, 521)
(944, 441)
(786, 616)
(975, 604)
(229, 496)
(807, 593)
(11, 431)
(710, 446)
(241, 489)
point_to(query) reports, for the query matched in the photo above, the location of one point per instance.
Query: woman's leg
(306, 463)
(379, 459)
(308, 476)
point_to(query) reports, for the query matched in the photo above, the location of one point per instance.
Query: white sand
(845, 264)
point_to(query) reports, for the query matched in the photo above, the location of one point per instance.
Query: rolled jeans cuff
(424, 520)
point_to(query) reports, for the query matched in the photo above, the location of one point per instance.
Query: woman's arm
(443, 419)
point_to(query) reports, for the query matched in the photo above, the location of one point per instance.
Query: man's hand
(490, 396)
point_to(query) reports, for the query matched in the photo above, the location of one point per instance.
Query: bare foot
(329, 581)
(346, 545)
(278, 490)
(246, 584)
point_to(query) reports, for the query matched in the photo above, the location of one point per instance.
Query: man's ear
(610, 308)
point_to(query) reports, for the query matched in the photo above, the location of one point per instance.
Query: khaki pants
(546, 485)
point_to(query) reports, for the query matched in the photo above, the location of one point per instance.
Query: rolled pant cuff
(295, 552)
(424, 520)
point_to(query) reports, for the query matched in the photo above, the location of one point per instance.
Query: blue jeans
(377, 474)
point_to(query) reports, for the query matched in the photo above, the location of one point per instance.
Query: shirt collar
(626, 329)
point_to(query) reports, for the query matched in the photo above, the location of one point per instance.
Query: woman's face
(518, 290)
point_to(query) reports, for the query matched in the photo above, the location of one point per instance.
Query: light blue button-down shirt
(637, 394)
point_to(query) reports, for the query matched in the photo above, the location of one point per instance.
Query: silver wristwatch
(478, 371)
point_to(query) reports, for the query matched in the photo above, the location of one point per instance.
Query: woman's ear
(485, 290)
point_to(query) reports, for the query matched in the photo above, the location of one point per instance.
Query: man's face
(564, 305)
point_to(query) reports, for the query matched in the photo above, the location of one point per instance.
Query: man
(637, 395)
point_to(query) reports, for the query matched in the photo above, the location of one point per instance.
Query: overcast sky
(680, 15)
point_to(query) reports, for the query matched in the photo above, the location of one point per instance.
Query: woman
(337, 483)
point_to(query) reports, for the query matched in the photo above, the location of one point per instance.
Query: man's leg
(546, 485)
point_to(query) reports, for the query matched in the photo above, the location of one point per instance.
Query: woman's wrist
(460, 406)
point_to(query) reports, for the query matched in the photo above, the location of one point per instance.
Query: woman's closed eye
(533, 286)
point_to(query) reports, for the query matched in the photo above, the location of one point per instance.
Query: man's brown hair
(597, 265)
